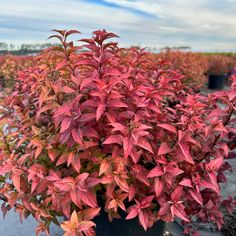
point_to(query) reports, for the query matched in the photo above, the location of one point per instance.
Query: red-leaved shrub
(192, 65)
(10, 66)
(220, 64)
(96, 122)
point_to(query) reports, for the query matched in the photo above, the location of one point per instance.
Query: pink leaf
(185, 150)
(155, 172)
(177, 194)
(196, 196)
(163, 149)
(65, 124)
(77, 136)
(146, 202)
(168, 127)
(116, 103)
(215, 164)
(67, 89)
(143, 219)
(127, 146)
(186, 182)
(103, 167)
(133, 212)
(118, 127)
(90, 213)
(158, 186)
(179, 211)
(87, 117)
(144, 144)
(100, 110)
(113, 139)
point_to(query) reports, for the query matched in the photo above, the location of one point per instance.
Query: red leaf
(16, 177)
(213, 186)
(103, 167)
(5, 169)
(77, 136)
(196, 196)
(133, 212)
(76, 164)
(164, 209)
(155, 172)
(127, 146)
(52, 154)
(66, 206)
(65, 124)
(146, 202)
(90, 213)
(88, 198)
(168, 127)
(62, 159)
(179, 211)
(144, 144)
(122, 183)
(71, 156)
(69, 32)
(87, 117)
(85, 225)
(118, 127)
(85, 82)
(60, 65)
(185, 150)
(177, 194)
(4, 209)
(132, 192)
(67, 89)
(117, 103)
(113, 139)
(38, 150)
(215, 164)
(163, 149)
(186, 182)
(100, 110)
(75, 198)
(143, 219)
(158, 186)
(173, 171)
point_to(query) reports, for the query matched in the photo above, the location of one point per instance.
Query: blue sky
(200, 24)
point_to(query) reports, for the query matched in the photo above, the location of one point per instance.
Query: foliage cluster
(115, 125)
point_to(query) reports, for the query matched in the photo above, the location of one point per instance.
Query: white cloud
(201, 24)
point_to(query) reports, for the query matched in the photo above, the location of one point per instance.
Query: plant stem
(217, 137)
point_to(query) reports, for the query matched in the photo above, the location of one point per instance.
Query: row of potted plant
(195, 67)
(192, 65)
(201, 68)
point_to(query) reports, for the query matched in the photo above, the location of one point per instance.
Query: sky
(204, 25)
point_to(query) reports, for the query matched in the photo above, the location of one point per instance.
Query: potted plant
(109, 131)
(219, 68)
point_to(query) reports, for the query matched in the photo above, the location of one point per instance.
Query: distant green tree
(3, 46)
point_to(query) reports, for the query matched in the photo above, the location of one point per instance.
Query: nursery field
(195, 67)
(95, 132)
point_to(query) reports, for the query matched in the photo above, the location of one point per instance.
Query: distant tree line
(155, 49)
(23, 48)
(37, 47)
(176, 48)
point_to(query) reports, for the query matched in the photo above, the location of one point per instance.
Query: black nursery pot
(122, 227)
(216, 81)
